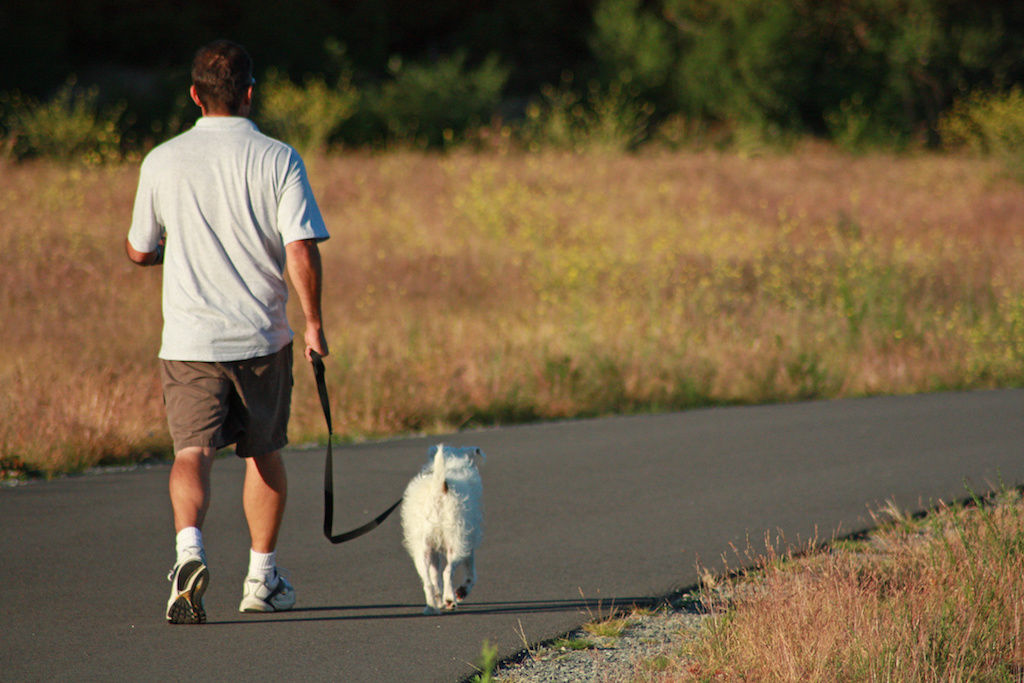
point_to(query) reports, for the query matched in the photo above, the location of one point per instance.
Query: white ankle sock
(262, 565)
(188, 543)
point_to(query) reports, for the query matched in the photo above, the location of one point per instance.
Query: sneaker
(276, 595)
(188, 583)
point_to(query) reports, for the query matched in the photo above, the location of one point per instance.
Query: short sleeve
(298, 216)
(146, 228)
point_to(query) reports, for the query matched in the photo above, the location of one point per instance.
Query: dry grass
(934, 600)
(476, 289)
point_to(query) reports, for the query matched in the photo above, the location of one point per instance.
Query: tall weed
(610, 118)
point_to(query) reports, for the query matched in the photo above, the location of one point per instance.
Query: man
(226, 210)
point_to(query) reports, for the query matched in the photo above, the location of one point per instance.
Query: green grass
(488, 660)
(611, 627)
(573, 644)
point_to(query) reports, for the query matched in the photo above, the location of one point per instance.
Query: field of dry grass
(488, 288)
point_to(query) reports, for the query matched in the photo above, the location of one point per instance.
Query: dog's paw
(450, 605)
(431, 611)
(461, 592)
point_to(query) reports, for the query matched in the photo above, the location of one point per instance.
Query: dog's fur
(442, 523)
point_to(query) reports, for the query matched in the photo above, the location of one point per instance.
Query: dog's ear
(474, 454)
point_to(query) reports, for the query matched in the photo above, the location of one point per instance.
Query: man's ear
(246, 103)
(195, 98)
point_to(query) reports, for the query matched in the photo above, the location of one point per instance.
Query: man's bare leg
(190, 486)
(263, 499)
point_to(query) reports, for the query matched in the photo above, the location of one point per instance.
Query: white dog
(442, 521)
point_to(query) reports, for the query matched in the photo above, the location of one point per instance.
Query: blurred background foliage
(609, 74)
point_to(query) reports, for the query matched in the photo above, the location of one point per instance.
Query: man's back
(229, 199)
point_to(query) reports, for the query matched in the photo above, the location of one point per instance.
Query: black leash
(321, 387)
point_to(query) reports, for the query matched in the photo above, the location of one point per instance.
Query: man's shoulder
(169, 148)
(281, 156)
(227, 141)
(220, 128)
(278, 145)
(244, 133)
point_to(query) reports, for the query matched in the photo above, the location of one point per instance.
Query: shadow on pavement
(595, 609)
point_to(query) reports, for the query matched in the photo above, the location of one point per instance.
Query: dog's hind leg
(449, 591)
(425, 566)
(463, 591)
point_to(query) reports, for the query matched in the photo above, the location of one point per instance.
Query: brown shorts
(245, 402)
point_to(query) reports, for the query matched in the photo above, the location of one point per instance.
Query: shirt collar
(224, 122)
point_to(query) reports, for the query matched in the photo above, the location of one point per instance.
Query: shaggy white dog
(442, 522)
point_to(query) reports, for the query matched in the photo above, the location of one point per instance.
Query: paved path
(579, 515)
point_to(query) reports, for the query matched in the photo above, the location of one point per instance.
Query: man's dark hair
(222, 74)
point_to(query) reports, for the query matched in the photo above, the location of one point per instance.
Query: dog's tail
(440, 480)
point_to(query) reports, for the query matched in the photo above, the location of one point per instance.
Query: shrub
(69, 126)
(866, 72)
(739, 61)
(855, 126)
(435, 104)
(306, 116)
(989, 123)
(631, 46)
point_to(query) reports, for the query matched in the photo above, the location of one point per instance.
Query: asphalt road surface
(580, 515)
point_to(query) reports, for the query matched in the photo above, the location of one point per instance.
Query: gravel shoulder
(647, 635)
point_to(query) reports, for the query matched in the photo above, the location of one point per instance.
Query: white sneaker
(277, 595)
(189, 580)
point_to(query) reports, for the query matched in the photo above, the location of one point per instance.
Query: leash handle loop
(321, 388)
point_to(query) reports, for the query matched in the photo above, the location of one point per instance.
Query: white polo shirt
(228, 198)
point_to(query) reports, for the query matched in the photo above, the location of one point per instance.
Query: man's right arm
(306, 274)
(144, 258)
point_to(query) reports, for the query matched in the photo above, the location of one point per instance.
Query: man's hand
(315, 341)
